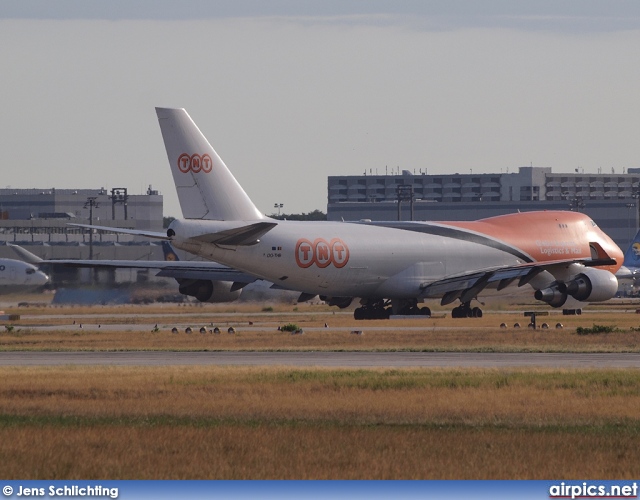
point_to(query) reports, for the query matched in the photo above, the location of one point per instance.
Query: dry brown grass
(260, 423)
(134, 332)
(309, 452)
(213, 422)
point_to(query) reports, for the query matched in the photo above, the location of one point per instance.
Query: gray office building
(38, 220)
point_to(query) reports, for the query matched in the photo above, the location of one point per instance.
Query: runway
(326, 359)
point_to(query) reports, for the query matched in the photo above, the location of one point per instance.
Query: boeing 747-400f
(391, 267)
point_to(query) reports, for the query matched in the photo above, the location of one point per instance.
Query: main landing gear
(383, 309)
(465, 310)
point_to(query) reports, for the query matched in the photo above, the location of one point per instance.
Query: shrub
(290, 327)
(595, 329)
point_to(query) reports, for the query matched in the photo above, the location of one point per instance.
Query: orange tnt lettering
(304, 253)
(321, 253)
(323, 258)
(195, 163)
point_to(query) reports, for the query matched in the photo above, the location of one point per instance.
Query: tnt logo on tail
(195, 163)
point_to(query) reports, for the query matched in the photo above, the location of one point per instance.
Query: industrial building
(610, 199)
(38, 220)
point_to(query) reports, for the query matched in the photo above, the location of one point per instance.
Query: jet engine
(209, 291)
(591, 285)
(555, 295)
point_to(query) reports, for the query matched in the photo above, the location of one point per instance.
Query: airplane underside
(383, 309)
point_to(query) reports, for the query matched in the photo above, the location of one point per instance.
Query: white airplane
(19, 276)
(392, 267)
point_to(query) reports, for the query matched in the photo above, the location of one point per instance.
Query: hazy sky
(289, 92)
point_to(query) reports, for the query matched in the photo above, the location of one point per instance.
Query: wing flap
(467, 286)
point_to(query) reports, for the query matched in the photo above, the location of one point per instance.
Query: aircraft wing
(179, 270)
(467, 286)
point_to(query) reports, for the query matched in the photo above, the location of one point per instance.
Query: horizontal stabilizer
(245, 235)
(119, 230)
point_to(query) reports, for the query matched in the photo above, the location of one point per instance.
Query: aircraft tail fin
(25, 255)
(169, 253)
(632, 255)
(206, 188)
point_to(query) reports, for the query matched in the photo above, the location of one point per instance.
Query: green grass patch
(596, 329)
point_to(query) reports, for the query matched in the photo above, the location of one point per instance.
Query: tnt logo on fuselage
(195, 163)
(321, 253)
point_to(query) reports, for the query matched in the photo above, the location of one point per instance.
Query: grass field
(240, 423)
(266, 423)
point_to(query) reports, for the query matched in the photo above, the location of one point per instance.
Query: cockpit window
(594, 224)
(30, 271)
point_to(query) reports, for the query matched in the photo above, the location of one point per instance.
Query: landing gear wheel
(465, 311)
(372, 310)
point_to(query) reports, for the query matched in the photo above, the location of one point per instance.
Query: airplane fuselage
(398, 259)
(16, 276)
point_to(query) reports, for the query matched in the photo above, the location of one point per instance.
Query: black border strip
(453, 233)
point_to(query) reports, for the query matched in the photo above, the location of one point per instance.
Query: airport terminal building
(38, 220)
(610, 199)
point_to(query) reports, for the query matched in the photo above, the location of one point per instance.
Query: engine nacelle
(210, 291)
(593, 285)
(555, 295)
(590, 285)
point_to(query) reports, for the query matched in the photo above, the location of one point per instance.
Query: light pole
(91, 204)
(278, 206)
(629, 207)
